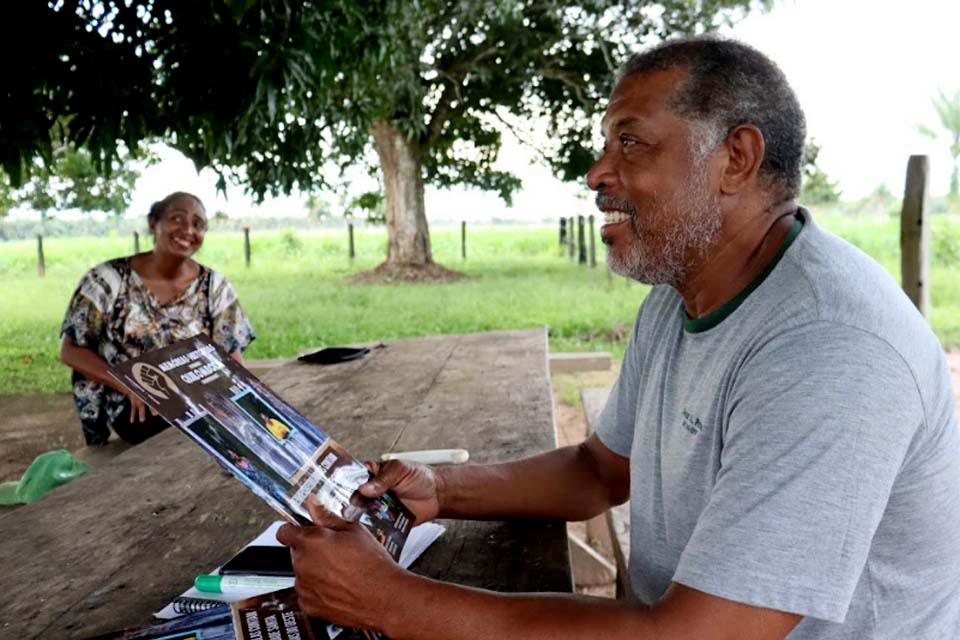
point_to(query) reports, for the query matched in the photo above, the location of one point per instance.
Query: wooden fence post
(41, 263)
(915, 235)
(136, 242)
(463, 239)
(571, 242)
(563, 233)
(246, 245)
(581, 242)
(593, 245)
(353, 253)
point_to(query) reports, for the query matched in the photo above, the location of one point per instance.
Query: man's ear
(745, 148)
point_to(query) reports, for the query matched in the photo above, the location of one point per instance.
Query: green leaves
(818, 188)
(73, 181)
(269, 92)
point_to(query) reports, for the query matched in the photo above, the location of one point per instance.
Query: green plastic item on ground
(47, 472)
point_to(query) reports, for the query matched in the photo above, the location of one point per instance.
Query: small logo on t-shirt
(692, 423)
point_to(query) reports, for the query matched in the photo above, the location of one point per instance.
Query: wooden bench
(617, 519)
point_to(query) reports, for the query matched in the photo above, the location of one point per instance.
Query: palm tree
(948, 110)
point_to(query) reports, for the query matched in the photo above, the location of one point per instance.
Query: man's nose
(601, 173)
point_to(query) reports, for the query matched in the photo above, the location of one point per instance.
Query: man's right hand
(418, 486)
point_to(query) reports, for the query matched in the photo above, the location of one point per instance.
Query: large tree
(269, 93)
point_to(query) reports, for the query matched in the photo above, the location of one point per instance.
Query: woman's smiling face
(181, 227)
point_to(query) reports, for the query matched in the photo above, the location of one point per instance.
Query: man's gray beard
(695, 220)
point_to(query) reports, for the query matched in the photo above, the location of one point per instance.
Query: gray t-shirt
(797, 449)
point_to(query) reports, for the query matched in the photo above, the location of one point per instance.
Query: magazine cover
(278, 615)
(272, 448)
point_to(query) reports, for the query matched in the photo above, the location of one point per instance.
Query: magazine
(421, 537)
(278, 615)
(203, 625)
(263, 441)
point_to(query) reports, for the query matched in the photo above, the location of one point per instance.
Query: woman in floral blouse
(128, 306)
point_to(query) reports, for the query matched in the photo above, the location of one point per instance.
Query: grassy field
(295, 293)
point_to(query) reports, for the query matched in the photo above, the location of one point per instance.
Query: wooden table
(107, 550)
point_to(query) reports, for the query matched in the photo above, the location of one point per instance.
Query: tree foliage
(269, 91)
(71, 181)
(948, 112)
(818, 188)
(7, 200)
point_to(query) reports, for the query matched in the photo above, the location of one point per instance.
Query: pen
(430, 456)
(240, 584)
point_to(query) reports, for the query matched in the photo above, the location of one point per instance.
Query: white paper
(419, 538)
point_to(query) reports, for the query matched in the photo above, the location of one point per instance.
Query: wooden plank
(590, 569)
(617, 519)
(107, 550)
(915, 234)
(580, 361)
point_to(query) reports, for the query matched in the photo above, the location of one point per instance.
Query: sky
(864, 71)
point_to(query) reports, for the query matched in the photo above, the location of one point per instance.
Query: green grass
(296, 297)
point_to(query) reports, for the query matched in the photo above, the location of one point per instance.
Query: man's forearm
(567, 484)
(431, 609)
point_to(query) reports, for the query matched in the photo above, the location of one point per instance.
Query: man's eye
(626, 142)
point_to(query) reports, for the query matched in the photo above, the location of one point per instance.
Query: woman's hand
(138, 410)
(418, 486)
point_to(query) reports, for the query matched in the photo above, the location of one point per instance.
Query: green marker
(239, 585)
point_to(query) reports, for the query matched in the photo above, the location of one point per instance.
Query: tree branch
(569, 79)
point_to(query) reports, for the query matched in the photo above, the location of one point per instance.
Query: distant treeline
(54, 227)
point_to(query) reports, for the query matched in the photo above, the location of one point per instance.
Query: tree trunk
(407, 233)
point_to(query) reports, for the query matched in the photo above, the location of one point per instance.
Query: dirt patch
(393, 274)
(33, 424)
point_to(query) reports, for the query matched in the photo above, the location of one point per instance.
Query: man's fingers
(289, 535)
(388, 474)
(323, 518)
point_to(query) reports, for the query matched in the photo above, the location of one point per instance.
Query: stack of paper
(421, 537)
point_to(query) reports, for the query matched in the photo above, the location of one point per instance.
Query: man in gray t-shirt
(783, 423)
(796, 449)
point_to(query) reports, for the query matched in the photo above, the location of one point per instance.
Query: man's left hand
(343, 574)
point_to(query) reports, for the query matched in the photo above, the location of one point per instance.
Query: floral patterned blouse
(113, 313)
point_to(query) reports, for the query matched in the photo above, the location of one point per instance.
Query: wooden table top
(112, 547)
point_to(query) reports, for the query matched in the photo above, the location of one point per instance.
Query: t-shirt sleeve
(618, 419)
(86, 313)
(231, 327)
(818, 425)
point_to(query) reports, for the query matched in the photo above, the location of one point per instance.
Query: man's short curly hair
(729, 83)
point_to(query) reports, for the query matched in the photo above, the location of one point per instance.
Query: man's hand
(343, 574)
(418, 486)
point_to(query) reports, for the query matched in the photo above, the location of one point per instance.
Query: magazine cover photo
(263, 441)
